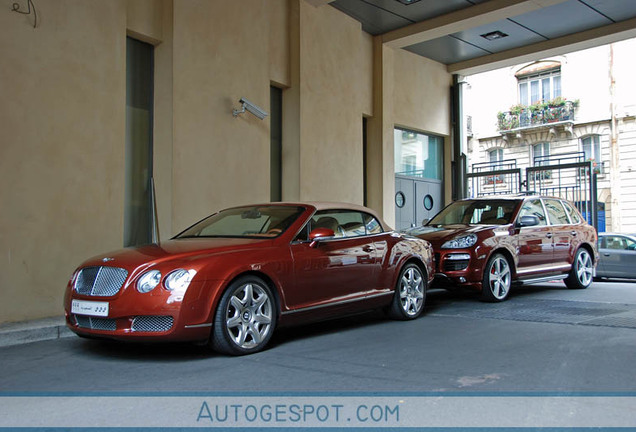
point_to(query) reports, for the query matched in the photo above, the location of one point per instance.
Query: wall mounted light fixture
(249, 107)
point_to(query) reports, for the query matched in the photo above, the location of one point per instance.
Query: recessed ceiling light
(494, 35)
(408, 2)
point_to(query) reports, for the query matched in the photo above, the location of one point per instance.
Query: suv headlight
(461, 242)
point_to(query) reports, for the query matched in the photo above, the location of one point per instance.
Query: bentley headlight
(179, 280)
(461, 242)
(148, 281)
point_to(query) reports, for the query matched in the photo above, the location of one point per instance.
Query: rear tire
(410, 294)
(582, 271)
(497, 279)
(245, 318)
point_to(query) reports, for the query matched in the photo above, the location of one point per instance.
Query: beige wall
(222, 55)
(145, 20)
(421, 93)
(63, 121)
(409, 92)
(61, 158)
(279, 21)
(335, 93)
(163, 121)
(421, 102)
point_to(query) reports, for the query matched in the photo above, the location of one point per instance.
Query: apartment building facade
(562, 111)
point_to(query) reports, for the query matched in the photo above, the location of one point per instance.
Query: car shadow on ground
(439, 298)
(143, 351)
(176, 352)
(320, 328)
(617, 280)
(436, 301)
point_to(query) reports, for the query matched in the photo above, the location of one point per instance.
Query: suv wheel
(580, 276)
(497, 279)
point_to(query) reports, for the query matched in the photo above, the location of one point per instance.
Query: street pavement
(545, 338)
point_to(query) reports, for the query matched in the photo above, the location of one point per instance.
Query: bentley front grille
(94, 323)
(152, 323)
(100, 281)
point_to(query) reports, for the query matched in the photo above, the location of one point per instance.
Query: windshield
(479, 212)
(247, 222)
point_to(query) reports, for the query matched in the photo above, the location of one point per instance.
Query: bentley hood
(176, 249)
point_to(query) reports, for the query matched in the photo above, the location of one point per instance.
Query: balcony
(520, 117)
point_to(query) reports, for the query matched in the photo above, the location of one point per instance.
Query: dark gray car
(617, 256)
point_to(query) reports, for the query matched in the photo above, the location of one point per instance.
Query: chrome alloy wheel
(499, 277)
(248, 319)
(412, 291)
(584, 267)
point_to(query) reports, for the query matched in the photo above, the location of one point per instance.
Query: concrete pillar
(380, 151)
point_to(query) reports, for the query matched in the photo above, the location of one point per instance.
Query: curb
(33, 331)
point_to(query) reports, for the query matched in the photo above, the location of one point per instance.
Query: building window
(540, 154)
(418, 155)
(591, 146)
(495, 155)
(541, 86)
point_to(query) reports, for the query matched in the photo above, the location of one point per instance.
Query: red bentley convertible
(232, 278)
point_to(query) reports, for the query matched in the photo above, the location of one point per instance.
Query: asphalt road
(545, 338)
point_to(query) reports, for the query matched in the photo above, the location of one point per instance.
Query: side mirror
(425, 221)
(632, 247)
(320, 234)
(528, 221)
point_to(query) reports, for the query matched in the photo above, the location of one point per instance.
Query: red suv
(489, 243)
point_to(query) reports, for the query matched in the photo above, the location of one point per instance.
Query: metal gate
(568, 176)
(494, 178)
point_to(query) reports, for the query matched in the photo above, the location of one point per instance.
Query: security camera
(250, 107)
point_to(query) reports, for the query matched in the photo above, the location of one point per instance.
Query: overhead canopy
(472, 36)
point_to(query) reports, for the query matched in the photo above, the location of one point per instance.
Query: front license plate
(91, 308)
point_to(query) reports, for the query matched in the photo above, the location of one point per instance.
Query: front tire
(582, 271)
(245, 317)
(496, 280)
(410, 294)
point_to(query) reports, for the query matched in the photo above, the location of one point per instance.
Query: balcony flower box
(522, 116)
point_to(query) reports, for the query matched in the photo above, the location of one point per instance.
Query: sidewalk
(33, 331)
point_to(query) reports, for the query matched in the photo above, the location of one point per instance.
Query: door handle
(368, 248)
(606, 254)
(549, 235)
(573, 233)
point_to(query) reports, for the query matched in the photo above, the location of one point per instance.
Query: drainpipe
(615, 175)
